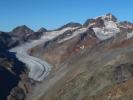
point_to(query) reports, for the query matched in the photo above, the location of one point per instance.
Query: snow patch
(108, 31)
(129, 35)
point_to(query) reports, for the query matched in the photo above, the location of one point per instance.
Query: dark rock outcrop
(7, 41)
(94, 23)
(123, 72)
(34, 36)
(10, 70)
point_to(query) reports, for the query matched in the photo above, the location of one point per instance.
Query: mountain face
(25, 34)
(95, 59)
(34, 36)
(14, 81)
(19, 35)
(65, 47)
(22, 32)
(73, 40)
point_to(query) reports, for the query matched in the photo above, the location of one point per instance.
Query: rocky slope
(72, 41)
(100, 73)
(25, 34)
(22, 32)
(14, 81)
(10, 71)
(20, 35)
(96, 59)
(61, 50)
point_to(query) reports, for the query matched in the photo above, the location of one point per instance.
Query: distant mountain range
(23, 33)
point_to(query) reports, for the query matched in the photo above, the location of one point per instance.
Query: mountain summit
(22, 32)
(42, 29)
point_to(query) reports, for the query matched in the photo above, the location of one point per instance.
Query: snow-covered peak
(107, 17)
(109, 30)
(100, 21)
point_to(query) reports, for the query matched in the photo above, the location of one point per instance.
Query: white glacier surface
(38, 69)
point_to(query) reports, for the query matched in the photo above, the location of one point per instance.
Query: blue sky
(53, 13)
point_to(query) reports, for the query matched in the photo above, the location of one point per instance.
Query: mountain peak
(42, 29)
(21, 32)
(22, 28)
(109, 17)
(99, 21)
(109, 14)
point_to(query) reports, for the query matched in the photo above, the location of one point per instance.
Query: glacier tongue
(38, 69)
